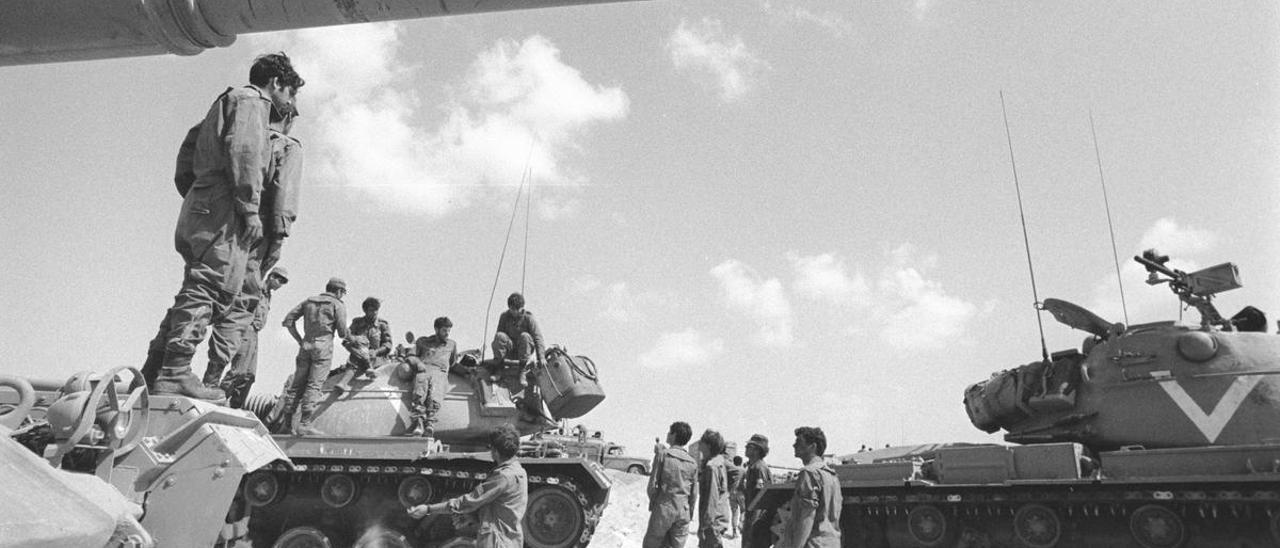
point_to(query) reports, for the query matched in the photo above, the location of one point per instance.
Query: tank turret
(1155, 385)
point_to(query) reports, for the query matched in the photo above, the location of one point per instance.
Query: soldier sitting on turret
(370, 340)
(518, 340)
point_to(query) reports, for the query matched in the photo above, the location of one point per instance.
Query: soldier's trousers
(229, 328)
(312, 368)
(505, 348)
(244, 369)
(754, 531)
(668, 528)
(209, 238)
(429, 388)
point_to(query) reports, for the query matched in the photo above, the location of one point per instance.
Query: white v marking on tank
(1211, 424)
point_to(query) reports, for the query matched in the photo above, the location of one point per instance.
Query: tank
(352, 485)
(95, 461)
(1156, 435)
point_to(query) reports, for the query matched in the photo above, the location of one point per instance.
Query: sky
(751, 215)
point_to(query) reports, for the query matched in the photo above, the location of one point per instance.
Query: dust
(627, 516)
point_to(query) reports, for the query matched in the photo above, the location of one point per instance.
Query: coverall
(321, 316)
(498, 503)
(244, 365)
(713, 503)
(231, 329)
(518, 337)
(230, 158)
(756, 479)
(817, 502)
(431, 380)
(673, 482)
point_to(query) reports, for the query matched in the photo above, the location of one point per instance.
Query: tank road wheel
(339, 490)
(1037, 526)
(414, 490)
(303, 537)
(635, 469)
(929, 527)
(554, 518)
(1155, 526)
(262, 488)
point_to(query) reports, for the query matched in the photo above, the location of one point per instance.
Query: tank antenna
(1115, 256)
(515, 208)
(1026, 242)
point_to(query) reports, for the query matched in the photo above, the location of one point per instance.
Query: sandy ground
(625, 519)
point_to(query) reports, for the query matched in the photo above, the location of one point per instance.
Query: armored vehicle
(120, 468)
(352, 485)
(593, 448)
(1155, 435)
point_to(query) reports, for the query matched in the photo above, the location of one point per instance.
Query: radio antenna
(1026, 242)
(1115, 256)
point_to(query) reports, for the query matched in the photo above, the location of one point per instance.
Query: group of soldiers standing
(685, 481)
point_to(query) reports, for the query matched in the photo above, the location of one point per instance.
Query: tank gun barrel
(48, 31)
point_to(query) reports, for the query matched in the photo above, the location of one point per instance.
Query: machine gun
(1196, 288)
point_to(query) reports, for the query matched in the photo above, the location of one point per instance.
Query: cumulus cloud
(1183, 245)
(765, 302)
(705, 49)
(918, 312)
(519, 103)
(828, 21)
(824, 277)
(688, 348)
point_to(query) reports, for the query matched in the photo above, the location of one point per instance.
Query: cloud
(918, 313)
(828, 21)
(1171, 239)
(687, 348)
(1152, 303)
(704, 48)
(823, 277)
(765, 302)
(519, 103)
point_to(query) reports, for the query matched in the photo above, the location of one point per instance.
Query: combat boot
(151, 368)
(418, 428)
(284, 425)
(176, 378)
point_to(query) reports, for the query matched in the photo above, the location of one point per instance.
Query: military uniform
(244, 365)
(757, 477)
(376, 336)
(671, 486)
(434, 357)
(498, 503)
(229, 158)
(713, 503)
(817, 492)
(322, 315)
(518, 337)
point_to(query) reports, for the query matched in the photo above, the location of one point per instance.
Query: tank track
(300, 510)
(1241, 515)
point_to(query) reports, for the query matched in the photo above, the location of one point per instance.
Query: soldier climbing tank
(1156, 435)
(352, 485)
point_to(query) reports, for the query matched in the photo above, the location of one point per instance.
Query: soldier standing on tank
(277, 210)
(518, 339)
(219, 223)
(371, 339)
(672, 486)
(322, 315)
(244, 365)
(757, 477)
(499, 502)
(815, 505)
(713, 492)
(433, 355)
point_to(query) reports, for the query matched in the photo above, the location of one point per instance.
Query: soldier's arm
(184, 173)
(384, 341)
(808, 493)
(288, 186)
(340, 321)
(537, 338)
(248, 148)
(492, 487)
(291, 321)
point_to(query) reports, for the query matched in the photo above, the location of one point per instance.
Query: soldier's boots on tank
(305, 429)
(284, 425)
(418, 428)
(178, 379)
(151, 368)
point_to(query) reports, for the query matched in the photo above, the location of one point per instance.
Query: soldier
(371, 339)
(322, 315)
(499, 503)
(713, 492)
(671, 485)
(244, 365)
(518, 338)
(735, 471)
(433, 355)
(219, 222)
(231, 328)
(756, 479)
(815, 506)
